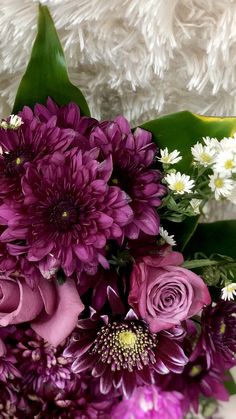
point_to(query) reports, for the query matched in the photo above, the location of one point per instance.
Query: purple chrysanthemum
(68, 116)
(132, 155)
(45, 371)
(197, 380)
(69, 211)
(29, 143)
(150, 403)
(121, 351)
(218, 337)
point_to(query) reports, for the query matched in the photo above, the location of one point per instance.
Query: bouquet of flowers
(115, 300)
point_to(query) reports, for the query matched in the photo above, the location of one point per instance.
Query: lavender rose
(52, 309)
(164, 294)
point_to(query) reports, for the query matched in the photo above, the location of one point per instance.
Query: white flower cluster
(220, 157)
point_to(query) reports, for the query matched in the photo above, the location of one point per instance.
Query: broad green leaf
(183, 129)
(46, 74)
(230, 384)
(218, 237)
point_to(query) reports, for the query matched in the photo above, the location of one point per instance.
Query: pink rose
(163, 293)
(52, 309)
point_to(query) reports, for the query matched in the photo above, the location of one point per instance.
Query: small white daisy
(203, 155)
(169, 158)
(228, 144)
(195, 204)
(169, 239)
(228, 292)
(212, 143)
(225, 163)
(220, 185)
(14, 122)
(179, 183)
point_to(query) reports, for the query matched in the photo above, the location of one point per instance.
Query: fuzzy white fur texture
(141, 58)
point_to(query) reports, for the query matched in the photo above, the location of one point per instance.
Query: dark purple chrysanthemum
(69, 211)
(44, 370)
(68, 116)
(196, 380)
(218, 338)
(29, 143)
(132, 156)
(80, 399)
(121, 351)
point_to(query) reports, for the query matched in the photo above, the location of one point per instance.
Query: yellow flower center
(179, 186)
(195, 370)
(127, 339)
(115, 181)
(219, 183)
(222, 328)
(229, 164)
(65, 214)
(206, 158)
(18, 160)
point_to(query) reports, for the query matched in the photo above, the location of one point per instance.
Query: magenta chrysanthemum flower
(132, 156)
(218, 338)
(44, 369)
(68, 116)
(197, 380)
(29, 143)
(121, 351)
(69, 211)
(148, 402)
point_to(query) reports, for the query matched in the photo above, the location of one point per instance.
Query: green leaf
(46, 74)
(230, 384)
(183, 129)
(182, 231)
(213, 238)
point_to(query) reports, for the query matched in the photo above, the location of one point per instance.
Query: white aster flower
(228, 144)
(14, 122)
(220, 185)
(179, 183)
(203, 154)
(169, 239)
(195, 204)
(225, 163)
(169, 158)
(228, 292)
(212, 143)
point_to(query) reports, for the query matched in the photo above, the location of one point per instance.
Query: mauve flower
(164, 294)
(218, 336)
(53, 310)
(29, 143)
(69, 211)
(132, 155)
(121, 351)
(149, 402)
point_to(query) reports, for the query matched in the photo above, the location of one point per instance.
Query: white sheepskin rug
(136, 57)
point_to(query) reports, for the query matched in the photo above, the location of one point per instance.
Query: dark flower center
(121, 177)
(14, 161)
(64, 215)
(126, 345)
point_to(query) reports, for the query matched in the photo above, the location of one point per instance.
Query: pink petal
(58, 326)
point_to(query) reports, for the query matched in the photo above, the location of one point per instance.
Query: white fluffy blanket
(139, 57)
